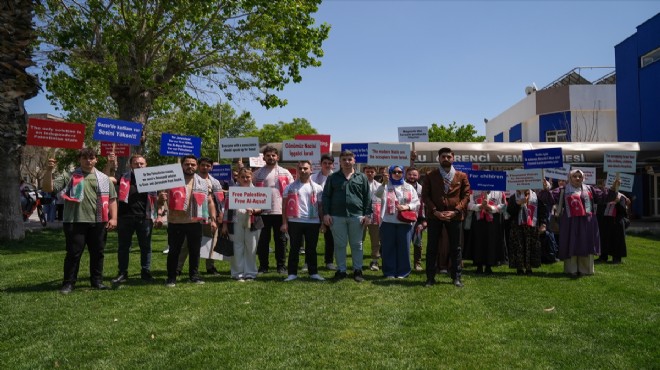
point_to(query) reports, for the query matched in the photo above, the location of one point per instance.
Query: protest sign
(620, 162)
(324, 139)
(55, 134)
(239, 147)
(120, 150)
(257, 161)
(221, 172)
(413, 134)
(296, 150)
(389, 154)
(560, 173)
(156, 178)
(589, 174)
(360, 151)
(524, 179)
(487, 180)
(242, 197)
(463, 166)
(542, 158)
(627, 181)
(180, 145)
(116, 131)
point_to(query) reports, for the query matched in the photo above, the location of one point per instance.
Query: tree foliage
(454, 133)
(275, 133)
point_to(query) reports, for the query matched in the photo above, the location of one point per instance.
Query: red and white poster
(324, 139)
(55, 134)
(121, 150)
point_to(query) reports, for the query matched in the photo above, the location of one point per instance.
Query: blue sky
(389, 64)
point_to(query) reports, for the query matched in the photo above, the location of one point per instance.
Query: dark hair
(270, 148)
(305, 161)
(189, 156)
(411, 169)
(327, 157)
(346, 153)
(205, 159)
(134, 156)
(445, 150)
(87, 153)
(368, 167)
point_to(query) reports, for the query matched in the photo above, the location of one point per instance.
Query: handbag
(553, 225)
(407, 216)
(224, 246)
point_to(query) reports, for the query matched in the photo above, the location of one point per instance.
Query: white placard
(413, 134)
(242, 197)
(156, 178)
(620, 162)
(524, 179)
(239, 147)
(627, 181)
(257, 161)
(388, 154)
(207, 250)
(297, 150)
(589, 174)
(560, 173)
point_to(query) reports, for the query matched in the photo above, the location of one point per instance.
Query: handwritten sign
(243, 197)
(589, 174)
(560, 173)
(413, 134)
(324, 139)
(361, 152)
(180, 145)
(627, 181)
(296, 150)
(257, 161)
(159, 177)
(620, 162)
(389, 154)
(116, 131)
(487, 180)
(221, 172)
(239, 147)
(524, 179)
(542, 158)
(55, 134)
(121, 150)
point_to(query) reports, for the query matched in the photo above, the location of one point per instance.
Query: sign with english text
(244, 197)
(55, 134)
(360, 151)
(156, 178)
(589, 174)
(627, 181)
(239, 147)
(413, 134)
(620, 162)
(117, 131)
(560, 173)
(542, 158)
(487, 180)
(120, 150)
(180, 145)
(389, 154)
(221, 172)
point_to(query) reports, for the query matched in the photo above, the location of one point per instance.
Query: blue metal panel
(515, 133)
(499, 138)
(555, 121)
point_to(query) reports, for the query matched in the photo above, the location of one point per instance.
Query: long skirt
(525, 251)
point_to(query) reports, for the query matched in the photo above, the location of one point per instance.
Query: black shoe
(100, 286)
(520, 272)
(145, 275)
(480, 270)
(616, 261)
(488, 270)
(121, 278)
(66, 289)
(357, 276)
(528, 271)
(457, 283)
(340, 275)
(196, 280)
(429, 283)
(262, 270)
(282, 270)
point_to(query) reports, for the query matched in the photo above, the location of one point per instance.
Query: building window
(651, 57)
(556, 136)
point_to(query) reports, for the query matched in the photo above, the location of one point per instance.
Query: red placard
(324, 139)
(121, 150)
(55, 134)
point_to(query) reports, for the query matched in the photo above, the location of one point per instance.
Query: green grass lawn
(609, 320)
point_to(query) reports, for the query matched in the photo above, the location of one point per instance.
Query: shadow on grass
(47, 286)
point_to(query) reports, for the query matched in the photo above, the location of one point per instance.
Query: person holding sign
(528, 221)
(301, 218)
(90, 211)
(346, 210)
(277, 178)
(445, 193)
(396, 196)
(611, 223)
(579, 237)
(188, 206)
(487, 240)
(373, 228)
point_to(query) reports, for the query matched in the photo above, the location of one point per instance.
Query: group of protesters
(491, 228)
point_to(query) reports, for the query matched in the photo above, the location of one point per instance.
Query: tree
(454, 133)
(16, 86)
(134, 57)
(275, 133)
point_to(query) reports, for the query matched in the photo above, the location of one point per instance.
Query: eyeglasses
(397, 172)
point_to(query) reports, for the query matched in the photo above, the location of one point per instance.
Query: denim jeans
(395, 248)
(347, 230)
(142, 227)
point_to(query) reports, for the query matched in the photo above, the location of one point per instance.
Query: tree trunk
(16, 35)
(134, 105)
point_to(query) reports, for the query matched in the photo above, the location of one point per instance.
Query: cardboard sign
(627, 181)
(116, 131)
(324, 139)
(361, 152)
(413, 134)
(296, 150)
(589, 174)
(487, 180)
(620, 162)
(243, 197)
(239, 147)
(558, 173)
(55, 134)
(121, 150)
(180, 145)
(221, 172)
(257, 161)
(159, 177)
(524, 179)
(542, 158)
(389, 154)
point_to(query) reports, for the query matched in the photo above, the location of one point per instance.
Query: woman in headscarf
(529, 218)
(395, 235)
(487, 240)
(579, 237)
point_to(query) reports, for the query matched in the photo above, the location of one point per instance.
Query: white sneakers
(316, 277)
(291, 278)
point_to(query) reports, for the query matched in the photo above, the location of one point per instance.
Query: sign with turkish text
(560, 173)
(542, 158)
(239, 147)
(413, 134)
(463, 166)
(116, 131)
(360, 151)
(120, 150)
(324, 139)
(620, 162)
(296, 150)
(389, 154)
(487, 180)
(589, 174)
(159, 177)
(55, 134)
(627, 181)
(180, 145)
(524, 179)
(243, 197)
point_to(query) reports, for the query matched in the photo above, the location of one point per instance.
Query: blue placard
(487, 180)
(462, 166)
(542, 158)
(116, 131)
(221, 172)
(180, 145)
(360, 150)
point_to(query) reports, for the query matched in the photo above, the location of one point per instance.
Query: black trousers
(79, 234)
(433, 245)
(271, 222)
(176, 234)
(298, 231)
(329, 246)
